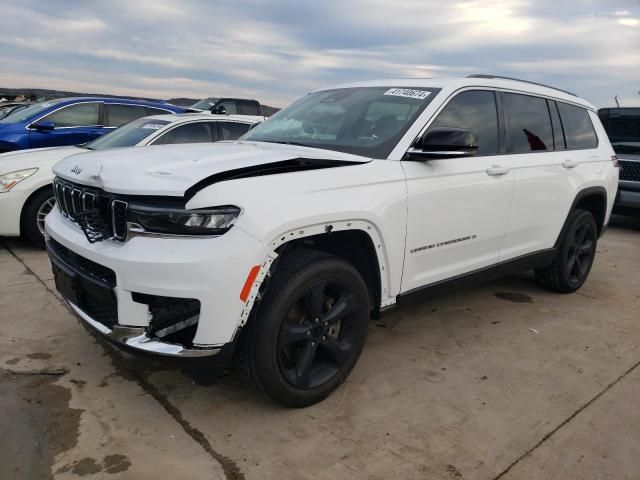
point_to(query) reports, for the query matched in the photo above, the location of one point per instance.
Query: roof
(451, 84)
(185, 117)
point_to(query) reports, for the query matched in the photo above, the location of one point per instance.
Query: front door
(73, 125)
(458, 208)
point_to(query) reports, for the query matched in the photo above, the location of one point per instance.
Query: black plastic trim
(482, 275)
(263, 169)
(582, 194)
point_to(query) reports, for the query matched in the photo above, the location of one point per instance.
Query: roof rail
(520, 80)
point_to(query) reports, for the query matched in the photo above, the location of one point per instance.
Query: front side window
(367, 121)
(233, 130)
(578, 129)
(78, 115)
(190, 133)
(473, 110)
(529, 124)
(127, 135)
(120, 114)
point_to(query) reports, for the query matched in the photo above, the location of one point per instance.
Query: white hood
(169, 170)
(41, 158)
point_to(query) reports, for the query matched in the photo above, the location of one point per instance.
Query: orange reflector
(253, 273)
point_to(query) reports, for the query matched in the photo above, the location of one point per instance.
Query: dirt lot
(501, 381)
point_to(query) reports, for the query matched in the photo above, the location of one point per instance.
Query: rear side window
(233, 130)
(474, 110)
(578, 129)
(529, 124)
(78, 115)
(191, 133)
(120, 114)
(247, 108)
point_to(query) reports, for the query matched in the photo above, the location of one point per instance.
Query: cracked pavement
(503, 381)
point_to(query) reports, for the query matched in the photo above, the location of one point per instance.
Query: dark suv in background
(623, 127)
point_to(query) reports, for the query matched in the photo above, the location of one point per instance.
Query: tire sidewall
(270, 317)
(29, 216)
(581, 218)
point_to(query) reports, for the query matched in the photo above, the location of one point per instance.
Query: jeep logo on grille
(76, 170)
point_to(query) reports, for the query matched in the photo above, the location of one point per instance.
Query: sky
(276, 51)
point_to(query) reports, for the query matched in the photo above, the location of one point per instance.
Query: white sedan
(26, 195)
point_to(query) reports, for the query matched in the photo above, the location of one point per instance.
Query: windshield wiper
(283, 142)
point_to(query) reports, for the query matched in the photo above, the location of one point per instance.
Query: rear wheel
(309, 330)
(574, 257)
(34, 213)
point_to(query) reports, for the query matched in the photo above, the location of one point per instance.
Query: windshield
(205, 103)
(623, 128)
(128, 135)
(367, 121)
(27, 113)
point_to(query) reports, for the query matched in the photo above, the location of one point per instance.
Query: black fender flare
(586, 192)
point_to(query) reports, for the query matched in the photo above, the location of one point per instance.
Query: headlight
(210, 221)
(9, 180)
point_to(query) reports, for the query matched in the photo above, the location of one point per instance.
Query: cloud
(277, 50)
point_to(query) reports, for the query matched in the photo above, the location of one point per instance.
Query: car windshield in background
(205, 103)
(366, 121)
(127, 135)
(623, 128)
(27, 113)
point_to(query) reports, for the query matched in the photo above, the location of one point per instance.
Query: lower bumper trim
(136, 338)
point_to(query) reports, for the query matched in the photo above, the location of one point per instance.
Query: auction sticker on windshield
(408, 92)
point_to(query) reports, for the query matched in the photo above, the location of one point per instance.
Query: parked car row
(276, 249)
(26, 194)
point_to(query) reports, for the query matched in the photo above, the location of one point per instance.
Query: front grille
(99, 214)
(629, 170)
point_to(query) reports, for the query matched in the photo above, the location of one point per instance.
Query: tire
(574, 257)
(33, 215)
(314, 313)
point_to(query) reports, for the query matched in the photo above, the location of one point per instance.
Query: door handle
(569, 164)
(497, 170)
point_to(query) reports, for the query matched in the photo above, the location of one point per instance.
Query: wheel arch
(357, 241)
(29, 199)
(591, 199)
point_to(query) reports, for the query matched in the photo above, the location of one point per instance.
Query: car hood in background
(35, 158)
(170, 170)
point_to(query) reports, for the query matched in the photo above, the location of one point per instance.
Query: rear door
(458, 208)
(547, 168)
(74, 124)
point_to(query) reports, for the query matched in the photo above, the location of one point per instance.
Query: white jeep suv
(277, 248)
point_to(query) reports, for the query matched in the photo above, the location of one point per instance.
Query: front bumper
(628, 196)
(210, 271)
(11, 204)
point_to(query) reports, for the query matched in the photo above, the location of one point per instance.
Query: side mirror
(445, 142)
(220, 110)
(45, 126)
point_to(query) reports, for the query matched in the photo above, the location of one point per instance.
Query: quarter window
(474, 110)
(233, 130)
(578, 129)
(120, 114)
(529, 123)
(78, 115)
(191, 133)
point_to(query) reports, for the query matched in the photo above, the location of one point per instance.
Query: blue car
(73, 121)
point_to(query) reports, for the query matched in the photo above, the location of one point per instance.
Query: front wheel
(34, 213)
(309, 330)
(574, 257)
